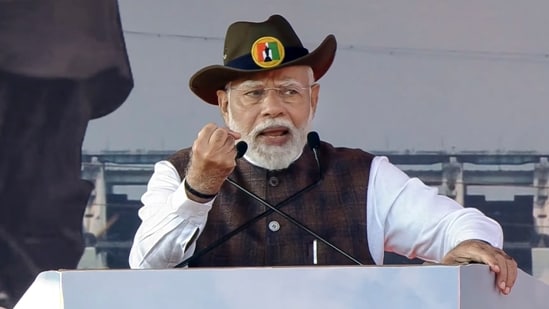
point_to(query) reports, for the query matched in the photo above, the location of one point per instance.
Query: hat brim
(208, 80)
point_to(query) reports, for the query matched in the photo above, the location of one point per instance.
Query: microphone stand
(293, 221)
(246, 224)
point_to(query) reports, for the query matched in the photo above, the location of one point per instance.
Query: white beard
(273, 157)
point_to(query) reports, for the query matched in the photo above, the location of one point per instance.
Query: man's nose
(273, 105)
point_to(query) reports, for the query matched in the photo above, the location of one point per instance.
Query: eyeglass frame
(265, 90)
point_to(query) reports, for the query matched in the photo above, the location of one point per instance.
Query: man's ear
(315, 89)
(223, 102)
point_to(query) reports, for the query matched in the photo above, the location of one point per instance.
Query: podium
(410, 286)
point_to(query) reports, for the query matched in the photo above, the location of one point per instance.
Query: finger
(222, 145)
(512, 271)
(220, 136)
(226, 145)
(204, 135)
(230, 143)
(502, 274)
(209, 147)
(496, 259)
(504, 266)
(234, 134)
(506, 278)
(206, 131)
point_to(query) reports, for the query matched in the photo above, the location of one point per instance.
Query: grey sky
(423, 75)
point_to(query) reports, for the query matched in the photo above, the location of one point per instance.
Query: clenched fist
(212, 160)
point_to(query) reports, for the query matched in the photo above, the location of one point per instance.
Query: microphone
(313, 141)
(241, 148)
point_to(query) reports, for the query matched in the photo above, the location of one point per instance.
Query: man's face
(273, 112)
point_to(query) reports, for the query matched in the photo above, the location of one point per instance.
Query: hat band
(247, 63)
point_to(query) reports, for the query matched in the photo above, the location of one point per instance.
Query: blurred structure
(62, 63)
(110, 220)
(541, 202)
(515, 180)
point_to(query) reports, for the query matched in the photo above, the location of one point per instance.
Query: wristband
(196, 193)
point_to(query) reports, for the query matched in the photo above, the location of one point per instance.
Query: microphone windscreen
(313, 140)
(241, 148)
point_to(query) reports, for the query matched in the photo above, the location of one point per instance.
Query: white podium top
(410, 286)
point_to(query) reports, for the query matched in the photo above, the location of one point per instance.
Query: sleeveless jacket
(333, 205)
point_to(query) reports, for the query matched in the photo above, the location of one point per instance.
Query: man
(331, 205)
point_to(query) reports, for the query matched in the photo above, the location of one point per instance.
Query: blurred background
(453, 92)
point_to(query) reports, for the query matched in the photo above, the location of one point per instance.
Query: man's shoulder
(352, 164)
(345, 151)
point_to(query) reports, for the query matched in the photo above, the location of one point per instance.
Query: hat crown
(242, 35)
(254, 47)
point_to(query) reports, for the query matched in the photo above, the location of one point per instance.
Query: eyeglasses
(288, 94)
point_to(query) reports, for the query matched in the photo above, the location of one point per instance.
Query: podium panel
(410, 286)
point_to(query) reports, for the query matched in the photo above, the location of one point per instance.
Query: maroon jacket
(334, 208)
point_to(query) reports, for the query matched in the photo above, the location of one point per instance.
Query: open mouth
(274, 132)
(278, 135)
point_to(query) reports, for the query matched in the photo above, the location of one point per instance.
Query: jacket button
(274, 226)
(273, 181)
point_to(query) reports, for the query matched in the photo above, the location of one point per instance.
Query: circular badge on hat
(267, 52)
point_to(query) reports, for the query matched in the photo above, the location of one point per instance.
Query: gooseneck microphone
(293, 221)
(241, 148)
(313, 141)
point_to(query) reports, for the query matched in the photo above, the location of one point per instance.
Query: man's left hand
(479, 251)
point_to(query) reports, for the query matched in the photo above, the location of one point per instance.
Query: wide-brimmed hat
(252, 47)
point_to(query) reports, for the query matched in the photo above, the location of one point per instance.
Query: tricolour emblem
(267, 52)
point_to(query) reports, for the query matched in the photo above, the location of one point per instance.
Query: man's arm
(409, 218)
(170, 221)
(175, 211)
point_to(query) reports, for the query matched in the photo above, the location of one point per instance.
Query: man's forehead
(293, 73)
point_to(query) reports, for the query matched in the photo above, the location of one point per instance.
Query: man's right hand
(212, 160)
